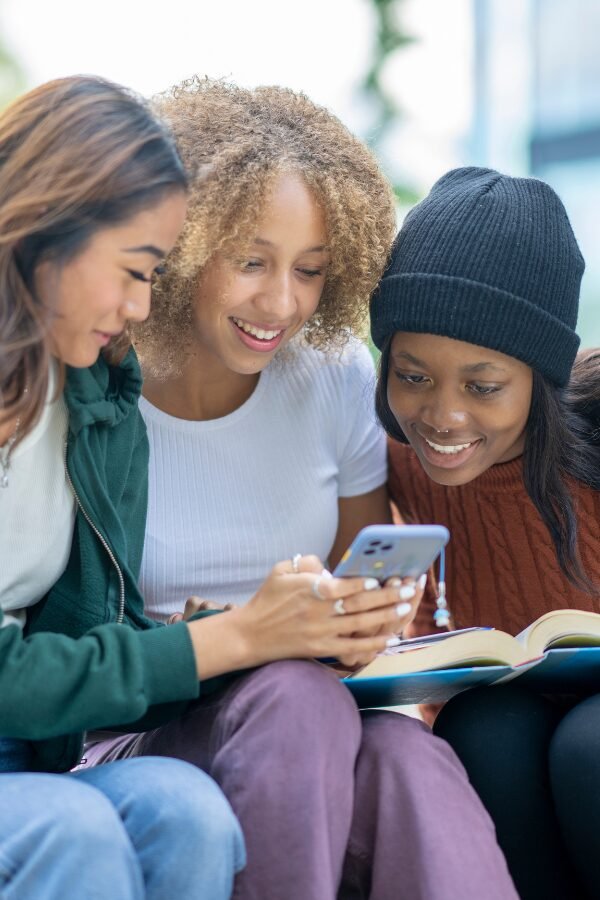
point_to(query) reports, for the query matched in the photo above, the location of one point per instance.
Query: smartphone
(381, 551)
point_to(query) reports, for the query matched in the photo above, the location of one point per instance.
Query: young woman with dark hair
(92, 196)
(495, 424)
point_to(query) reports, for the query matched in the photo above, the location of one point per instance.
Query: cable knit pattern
(501, 566)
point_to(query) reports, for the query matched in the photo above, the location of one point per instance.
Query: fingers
(298, 564)
(360, 651)
(176, 617)
(194, 605)
(386, 621)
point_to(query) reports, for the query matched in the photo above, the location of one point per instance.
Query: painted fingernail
(403, 609)
(393, 641)
(326, 574)
(407, 592)
(370, 584)
(422, 581)
(394, 582)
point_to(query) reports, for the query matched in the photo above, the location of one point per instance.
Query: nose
(277, 299)
(444, 412)
(137, 308)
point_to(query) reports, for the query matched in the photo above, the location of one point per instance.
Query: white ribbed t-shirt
(230, 497)
(37, 514)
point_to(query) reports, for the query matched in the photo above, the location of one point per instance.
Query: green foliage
(389, 39)
(12, 79)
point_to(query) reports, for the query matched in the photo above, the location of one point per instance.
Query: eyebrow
(476, 367)
(402, 354)
(264, 243)
(147, 248)
(479, 367)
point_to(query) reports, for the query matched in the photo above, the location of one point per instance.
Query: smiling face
(247, 309)
(463, 408)
(107, 284)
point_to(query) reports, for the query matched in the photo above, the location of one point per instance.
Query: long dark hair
(562, 442)
(76, 155)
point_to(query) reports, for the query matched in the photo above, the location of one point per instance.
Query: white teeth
(448, 449)
(260, 333)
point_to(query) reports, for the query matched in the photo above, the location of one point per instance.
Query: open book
(560, 651)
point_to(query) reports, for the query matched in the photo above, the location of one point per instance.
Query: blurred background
(430, 84)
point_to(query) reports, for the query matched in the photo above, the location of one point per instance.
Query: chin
(82, 360)
(249, 367)
(447, 477)
(452, 478)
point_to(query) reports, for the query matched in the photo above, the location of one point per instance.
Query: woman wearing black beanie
(495, 428)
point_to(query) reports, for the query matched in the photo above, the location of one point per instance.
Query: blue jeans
(141, 828)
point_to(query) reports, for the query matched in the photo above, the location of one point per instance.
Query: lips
(448, 455)
(260, 338)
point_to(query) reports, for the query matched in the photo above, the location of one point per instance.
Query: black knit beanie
(491, 260)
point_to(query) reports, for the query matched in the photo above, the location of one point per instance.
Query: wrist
(220, 644)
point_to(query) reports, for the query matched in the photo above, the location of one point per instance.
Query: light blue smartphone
(382, 551)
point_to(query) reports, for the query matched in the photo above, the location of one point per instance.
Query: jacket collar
(102, 393)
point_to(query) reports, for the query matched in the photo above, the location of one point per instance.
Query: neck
(200, 392)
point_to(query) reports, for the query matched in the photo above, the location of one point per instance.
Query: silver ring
(296, 563)
(315, 588)
(339, 608)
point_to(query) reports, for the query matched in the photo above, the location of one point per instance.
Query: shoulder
(406, 477)
(588, 501)
(350, 364)
(403, 457)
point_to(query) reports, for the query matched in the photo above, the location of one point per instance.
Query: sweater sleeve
(51, 685)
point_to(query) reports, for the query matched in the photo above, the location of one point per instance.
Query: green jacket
(89, 658)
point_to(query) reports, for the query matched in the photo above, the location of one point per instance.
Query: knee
(573, 749)
(82, 821)
(186, 802)
(187, 796)
(404, 747)
(307, 699)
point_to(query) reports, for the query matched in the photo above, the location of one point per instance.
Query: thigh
(55, 833)
(502, 736)
(575, 777)
(415, 813)
(186, 837)
(151, 791)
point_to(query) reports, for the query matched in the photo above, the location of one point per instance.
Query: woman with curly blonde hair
(264, 446)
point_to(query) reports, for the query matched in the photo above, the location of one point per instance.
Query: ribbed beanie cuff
(478, 314)
(490, 260)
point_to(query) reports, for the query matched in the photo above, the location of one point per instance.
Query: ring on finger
(338, 607)
(315, 588)
(296, 563)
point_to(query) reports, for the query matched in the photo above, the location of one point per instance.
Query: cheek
(313, 299)
(398, 402)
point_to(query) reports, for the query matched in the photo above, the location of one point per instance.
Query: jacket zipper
(102, 540)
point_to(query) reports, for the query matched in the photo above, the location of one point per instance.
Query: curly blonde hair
(235, 142)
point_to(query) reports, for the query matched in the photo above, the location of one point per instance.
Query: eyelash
(139, 276)
(480, 390)
(310, 273)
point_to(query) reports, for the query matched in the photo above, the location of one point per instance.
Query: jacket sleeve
(52, 685)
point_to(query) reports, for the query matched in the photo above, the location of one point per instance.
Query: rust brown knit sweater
(501, 568)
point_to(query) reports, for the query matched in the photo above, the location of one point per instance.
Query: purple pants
(332, 802)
